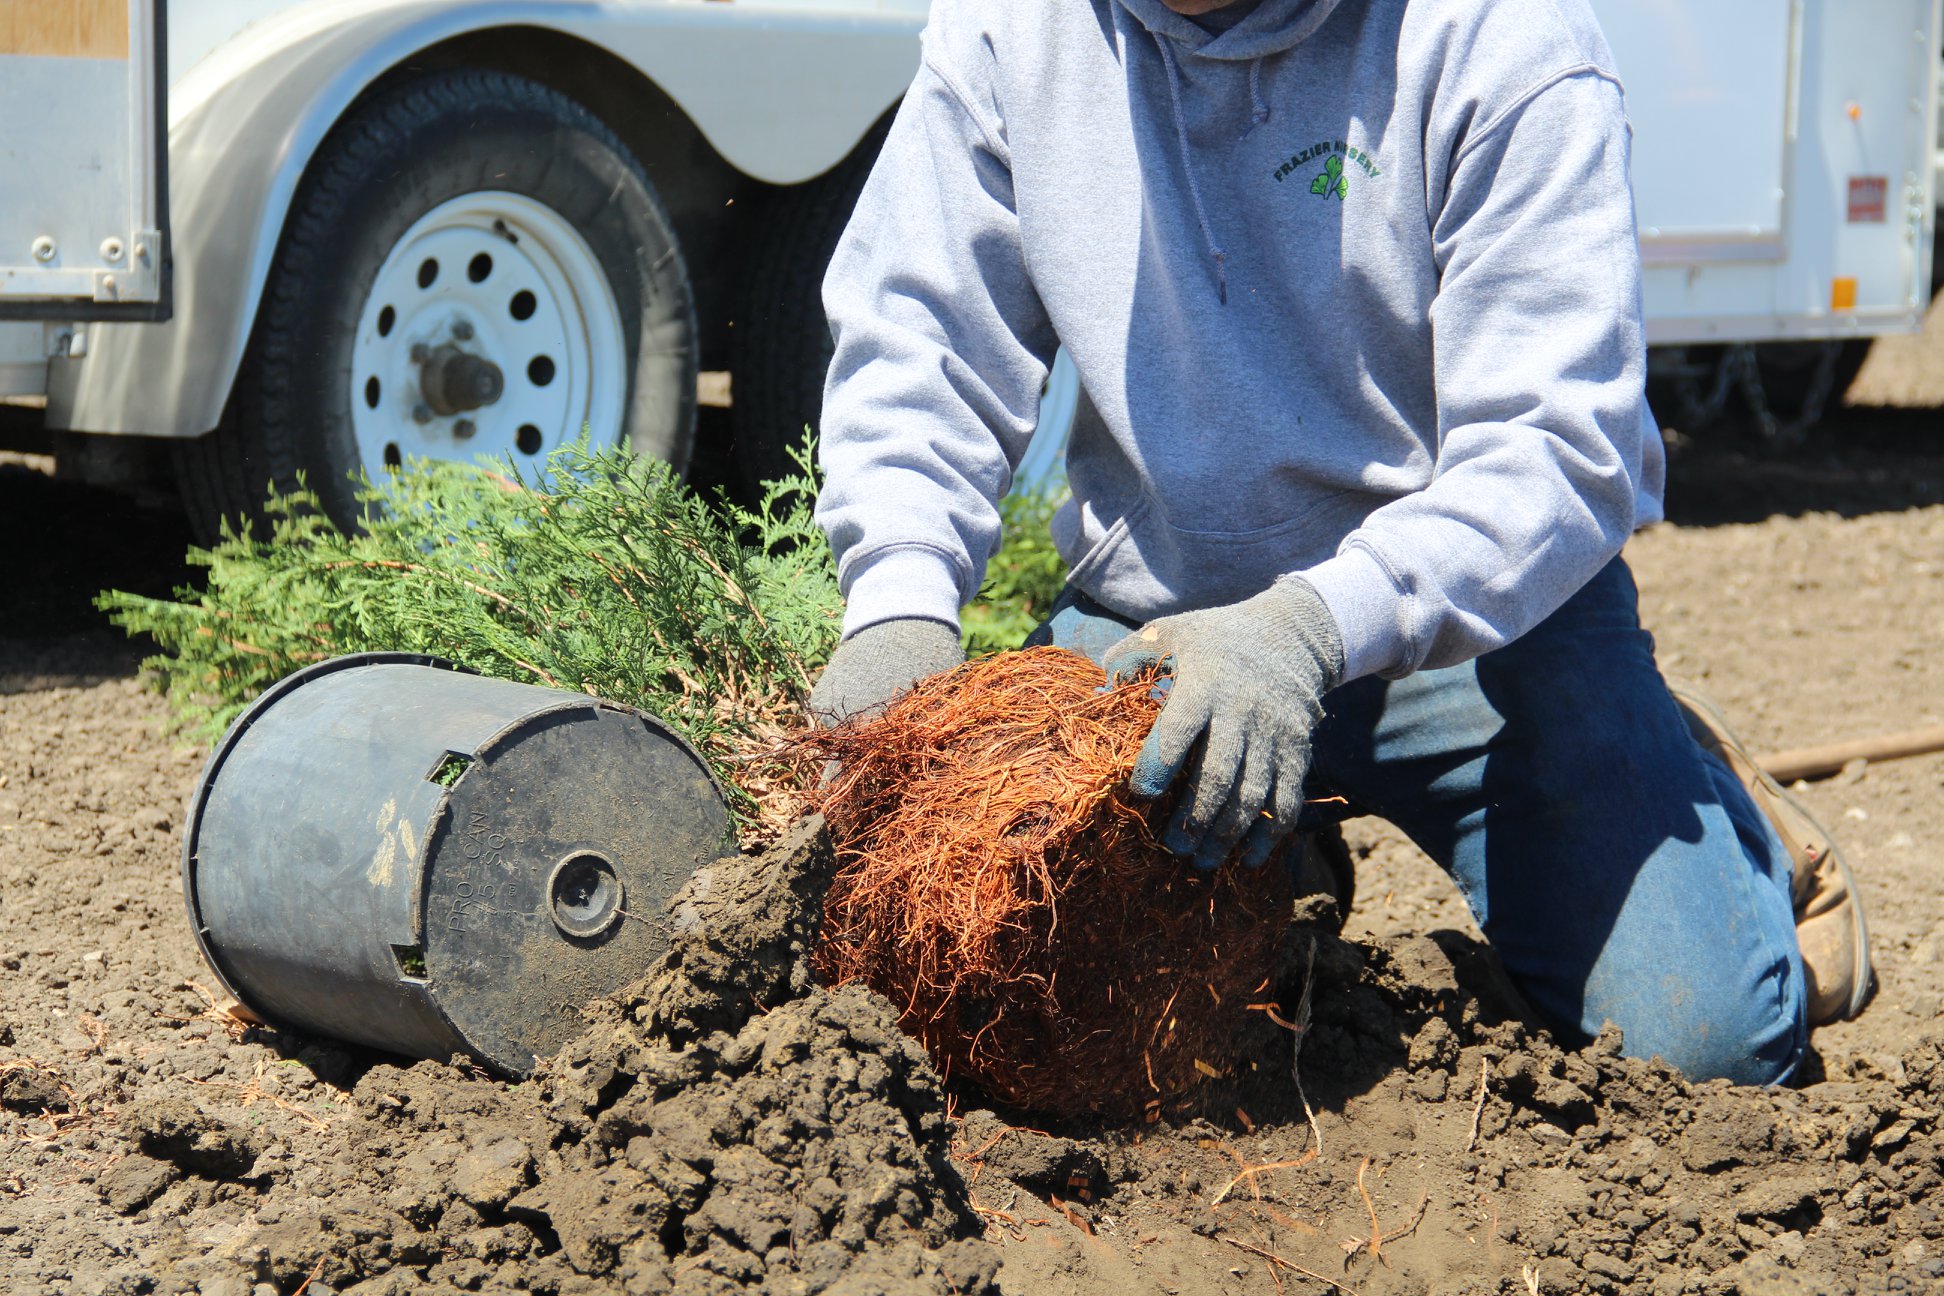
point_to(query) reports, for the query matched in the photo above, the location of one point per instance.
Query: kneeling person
(1353, 293)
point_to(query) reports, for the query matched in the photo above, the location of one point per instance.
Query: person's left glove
(879, 662)
(1247, 685)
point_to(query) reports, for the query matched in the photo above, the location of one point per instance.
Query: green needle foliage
(605, 575)
(1022, 580)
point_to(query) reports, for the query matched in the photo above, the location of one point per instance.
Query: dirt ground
(146, 1145)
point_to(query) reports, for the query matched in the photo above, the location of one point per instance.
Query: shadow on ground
(64, 544)
(1858, 460)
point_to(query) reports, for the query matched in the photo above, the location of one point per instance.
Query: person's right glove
(879, 662)
(1247, 683)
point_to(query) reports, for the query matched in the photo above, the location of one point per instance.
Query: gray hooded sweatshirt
(1352, 288)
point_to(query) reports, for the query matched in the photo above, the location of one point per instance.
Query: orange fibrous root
(1002, 887)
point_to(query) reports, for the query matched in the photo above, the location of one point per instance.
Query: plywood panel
(65, 28)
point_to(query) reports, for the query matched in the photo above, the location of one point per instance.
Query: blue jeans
(1622, 874)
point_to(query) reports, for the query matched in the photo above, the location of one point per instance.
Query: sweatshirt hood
(1275, 26)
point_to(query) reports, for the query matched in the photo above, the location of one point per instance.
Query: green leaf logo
(1331, 180)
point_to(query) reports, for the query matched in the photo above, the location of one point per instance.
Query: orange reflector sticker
(1842, 294)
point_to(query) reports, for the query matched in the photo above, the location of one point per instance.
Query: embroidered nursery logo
(1332, 181)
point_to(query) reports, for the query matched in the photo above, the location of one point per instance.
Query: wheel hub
(490, 330)
(455, 381)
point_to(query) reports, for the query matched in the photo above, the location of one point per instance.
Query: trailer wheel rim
(490, 330)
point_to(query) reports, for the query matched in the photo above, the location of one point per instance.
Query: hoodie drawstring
(1259, 110)
(1219, 257)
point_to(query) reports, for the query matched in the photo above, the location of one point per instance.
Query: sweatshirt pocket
(1148, 567)
(1101, 553)
(1324, 514)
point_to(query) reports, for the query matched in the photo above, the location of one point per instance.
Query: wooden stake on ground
(1829, 758)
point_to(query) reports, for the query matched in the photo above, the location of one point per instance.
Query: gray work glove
(875, 664)
(1247, 683)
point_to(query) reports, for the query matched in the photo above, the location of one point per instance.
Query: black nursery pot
(390, 850)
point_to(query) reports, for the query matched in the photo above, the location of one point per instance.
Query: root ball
(1000, 885)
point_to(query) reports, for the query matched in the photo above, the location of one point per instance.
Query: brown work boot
(1828, 912)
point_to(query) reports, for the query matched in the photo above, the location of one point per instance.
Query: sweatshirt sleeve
(941, 349)
(1540, 361)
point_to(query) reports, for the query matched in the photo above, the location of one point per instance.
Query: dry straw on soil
(1001, 887)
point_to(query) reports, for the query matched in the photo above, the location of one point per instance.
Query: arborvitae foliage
(1024, 577)
(605, 575)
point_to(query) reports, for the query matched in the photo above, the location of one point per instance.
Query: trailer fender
(246, 121)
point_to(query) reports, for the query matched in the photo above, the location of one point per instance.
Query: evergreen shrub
(602, 573)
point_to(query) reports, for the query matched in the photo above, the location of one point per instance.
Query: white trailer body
(83, 238)
(1782, 163)
(696, 107)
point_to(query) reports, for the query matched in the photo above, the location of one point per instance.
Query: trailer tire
(517, 234)
(782, 346)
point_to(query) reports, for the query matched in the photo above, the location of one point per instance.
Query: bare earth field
(147, 1145)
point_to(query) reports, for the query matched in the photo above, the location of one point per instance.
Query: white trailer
(452, 227)
(1784, 169)
(445, 228)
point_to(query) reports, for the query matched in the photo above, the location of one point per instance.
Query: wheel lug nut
(463, 429)
(462, 331)
(420, 353)
(421, 414)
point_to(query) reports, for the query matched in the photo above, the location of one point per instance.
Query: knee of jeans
(1080, 625)
(1757, 1038)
